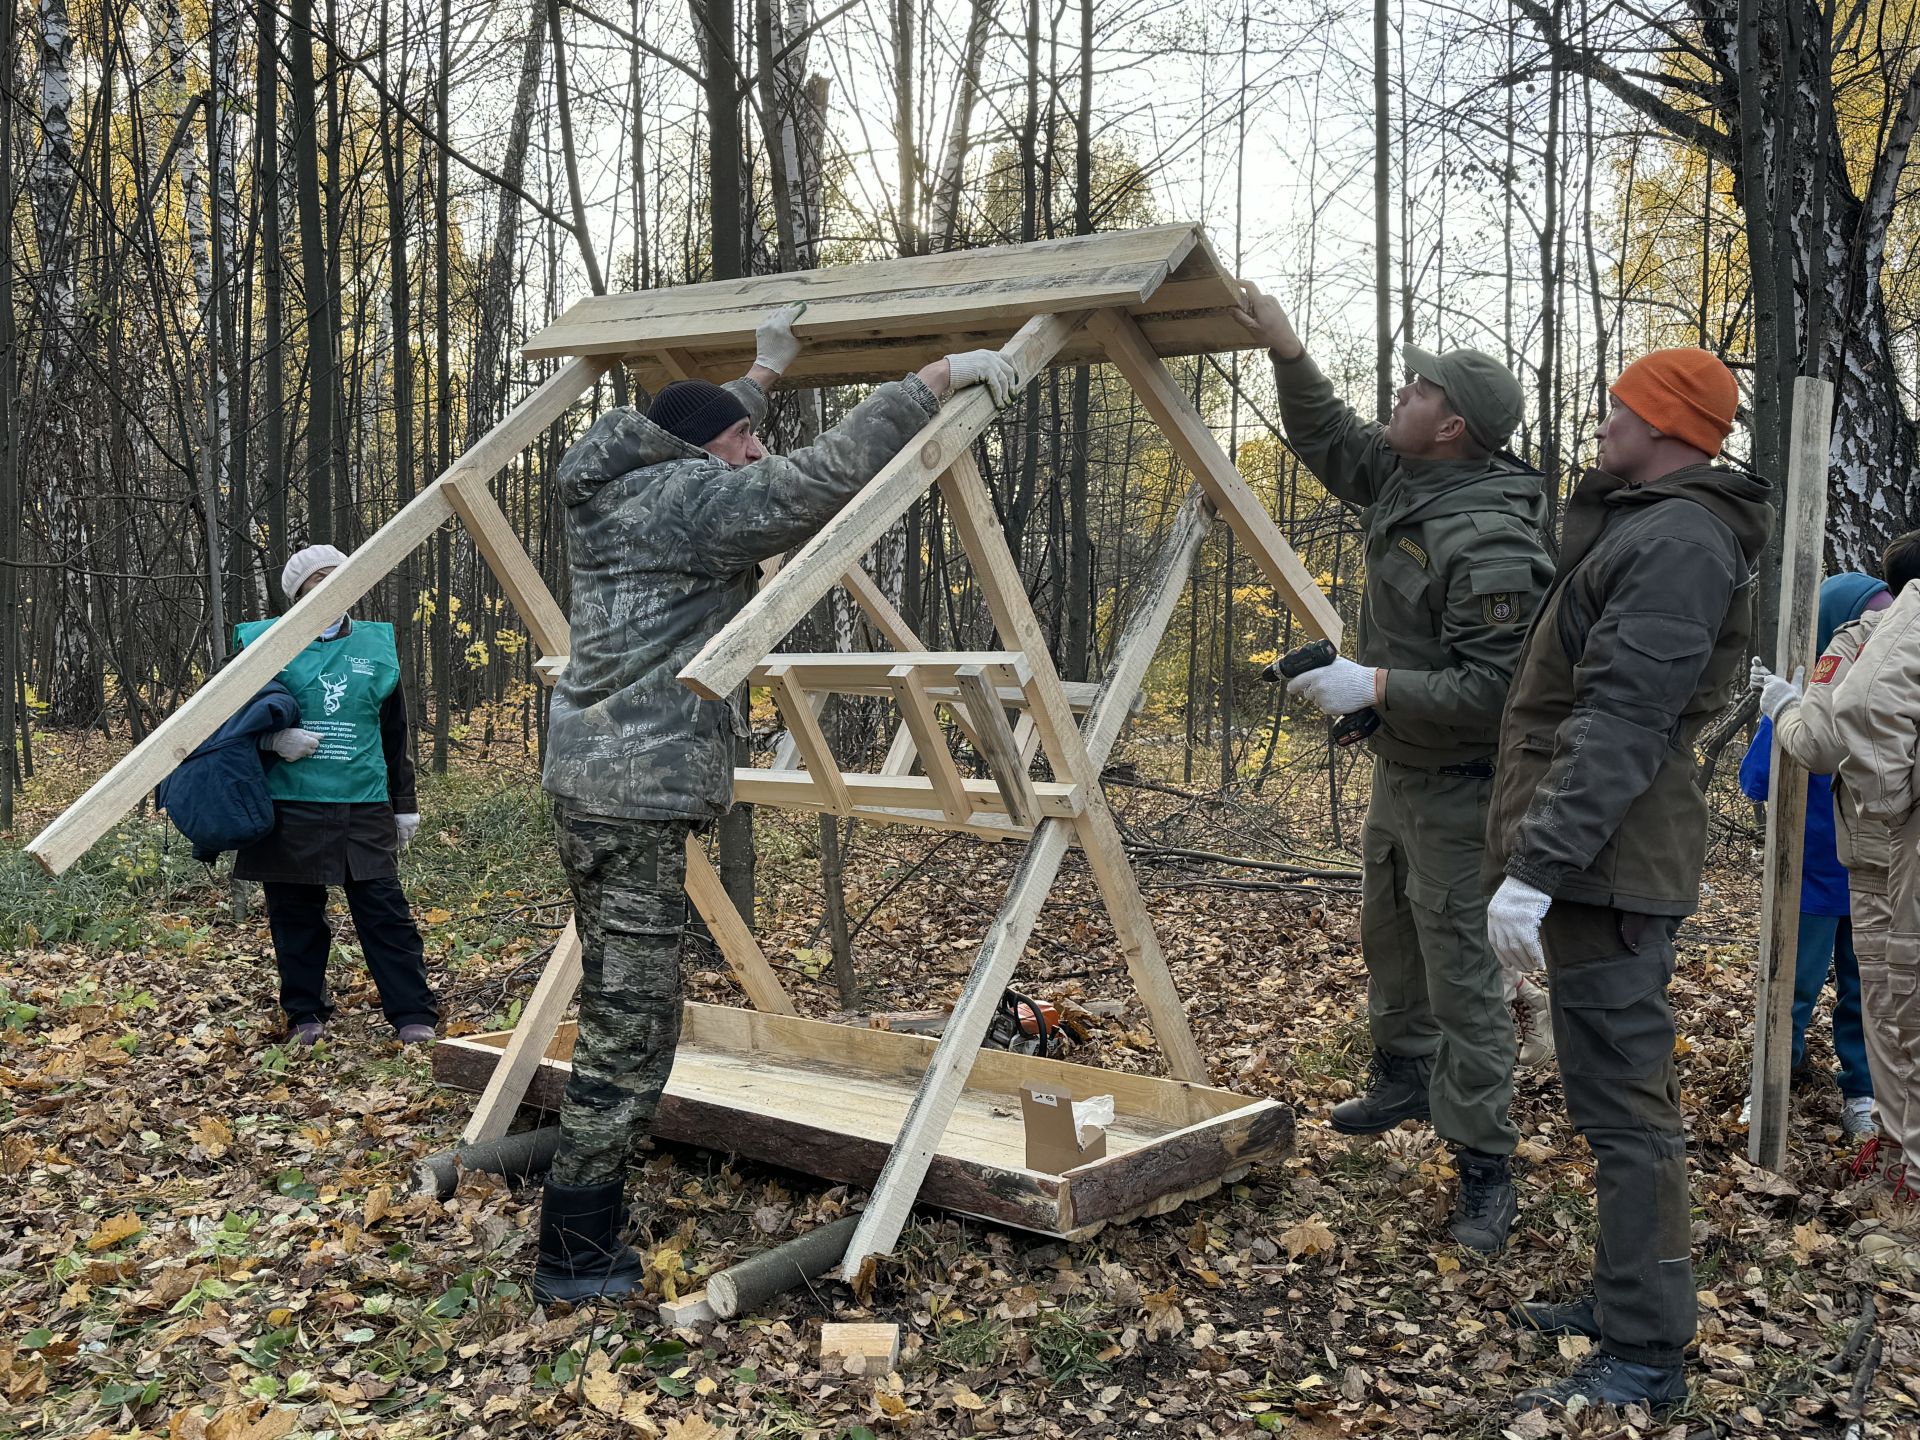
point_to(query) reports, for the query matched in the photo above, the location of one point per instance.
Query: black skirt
(320, 844)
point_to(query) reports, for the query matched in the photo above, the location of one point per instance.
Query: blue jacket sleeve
(1756, 770)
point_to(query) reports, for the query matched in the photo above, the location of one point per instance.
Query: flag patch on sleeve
(1823, 671)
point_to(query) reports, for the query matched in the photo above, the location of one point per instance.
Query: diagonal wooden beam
(997, 746)
(1195, 444)
(731, 933)
(493, 534)
(153, 759)
(946, 1074)
(819, 564)
(916, 713)
(539, 1022)
(803, 724)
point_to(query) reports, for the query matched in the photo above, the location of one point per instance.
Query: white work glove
(407, 826)
(293, 744)
(1513, 927)
(985, 367)
(775, 344)
(1338, 689)
(1775, 692)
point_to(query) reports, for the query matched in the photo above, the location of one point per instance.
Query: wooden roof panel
(881, 319)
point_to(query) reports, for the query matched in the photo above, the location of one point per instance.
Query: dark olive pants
(1607, 972)
(1434, 987)
(629, 881)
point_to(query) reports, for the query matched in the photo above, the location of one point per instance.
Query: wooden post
(539, 1022)
(742, 952)
(1800, 565)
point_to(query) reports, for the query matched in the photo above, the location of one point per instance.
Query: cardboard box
(1052, 1146)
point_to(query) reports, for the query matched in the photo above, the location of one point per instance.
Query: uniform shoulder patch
(1502, 608)
(1824, 669)
(1419, 555)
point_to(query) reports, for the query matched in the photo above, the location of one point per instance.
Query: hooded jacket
(1642, 638)
(1823, 878)
(1456, 562)
(663, 540)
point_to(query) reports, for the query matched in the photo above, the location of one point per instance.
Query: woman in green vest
(344, 809)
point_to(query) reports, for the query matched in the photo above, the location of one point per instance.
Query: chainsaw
(1032, 1027)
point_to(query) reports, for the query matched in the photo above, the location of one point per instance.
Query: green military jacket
(1642, 639)
(1456, 565)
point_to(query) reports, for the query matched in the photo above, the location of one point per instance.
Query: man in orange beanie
(1597, 832)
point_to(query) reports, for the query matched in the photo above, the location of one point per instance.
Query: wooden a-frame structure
(1126, 298)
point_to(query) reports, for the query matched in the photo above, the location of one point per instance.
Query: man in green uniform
(1455, 566)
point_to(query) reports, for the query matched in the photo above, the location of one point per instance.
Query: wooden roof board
(881, 319)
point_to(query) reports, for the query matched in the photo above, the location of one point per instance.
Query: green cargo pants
(1607, 972)
(629, 880)
(1434, 987)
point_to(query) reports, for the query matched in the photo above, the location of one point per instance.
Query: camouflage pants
(629, 881)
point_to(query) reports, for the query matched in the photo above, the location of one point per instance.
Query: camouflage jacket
(663, 540)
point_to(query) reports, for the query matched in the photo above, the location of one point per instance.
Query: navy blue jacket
(217, 797)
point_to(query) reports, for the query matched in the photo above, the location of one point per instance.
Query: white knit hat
(303, 563)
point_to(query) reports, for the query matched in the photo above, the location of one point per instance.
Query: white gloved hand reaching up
(775, 344)
(293, 743)
(985, 367)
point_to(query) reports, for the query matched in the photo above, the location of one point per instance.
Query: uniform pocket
(1618, 1026)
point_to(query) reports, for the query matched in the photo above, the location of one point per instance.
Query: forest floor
(209, 1234)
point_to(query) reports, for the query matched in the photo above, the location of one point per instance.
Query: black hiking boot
(1603, 1379)
(1484, 1210)
(1396, 1091)
(1557, 1317)
(581, 1255)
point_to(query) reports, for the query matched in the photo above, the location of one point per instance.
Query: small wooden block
(687, 1310)
(864, 1349)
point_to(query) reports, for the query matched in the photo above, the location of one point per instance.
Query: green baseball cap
(1480, 390)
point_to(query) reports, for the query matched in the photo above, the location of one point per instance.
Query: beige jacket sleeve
(1876, 705)
(1809, 730)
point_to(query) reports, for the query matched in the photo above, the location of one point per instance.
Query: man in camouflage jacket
(668, 514)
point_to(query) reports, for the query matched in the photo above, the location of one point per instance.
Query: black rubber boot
(581, 1254)
(1603, 1379)
(1485, 1208)
(1558, 1317)
(1396, 1091)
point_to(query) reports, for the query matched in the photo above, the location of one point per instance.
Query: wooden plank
(1195, 444)
(539, 1021)
(795, 790)
(737, 945)
(803, 724)
(546, 622)
(864, 1349)
(871, 361)
(854, 673)
(996, 745)
(916, 713)
(879, 610)
(1804, 533)
(121, 788)
(1127, 1183)
(1002, 286)
(901, 753)
(757, 630)
(919, 1134)
(786, 754)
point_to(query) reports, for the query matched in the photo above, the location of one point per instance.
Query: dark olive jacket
(1456, 564)
(1641, 640)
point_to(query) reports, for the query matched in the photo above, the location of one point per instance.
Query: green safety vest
(340, 686)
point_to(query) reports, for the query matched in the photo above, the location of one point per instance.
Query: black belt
(1471, 770)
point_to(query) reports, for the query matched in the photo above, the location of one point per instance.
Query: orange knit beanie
(1687, 393)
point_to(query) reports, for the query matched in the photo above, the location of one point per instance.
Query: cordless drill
(1348, 729)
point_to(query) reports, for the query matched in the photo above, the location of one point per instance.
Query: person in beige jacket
(1859, 717)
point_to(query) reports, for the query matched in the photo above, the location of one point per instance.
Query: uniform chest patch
(1419, 555)
(1824, 671)
(1501, 609)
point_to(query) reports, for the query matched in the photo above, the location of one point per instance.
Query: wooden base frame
(821, 1098)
